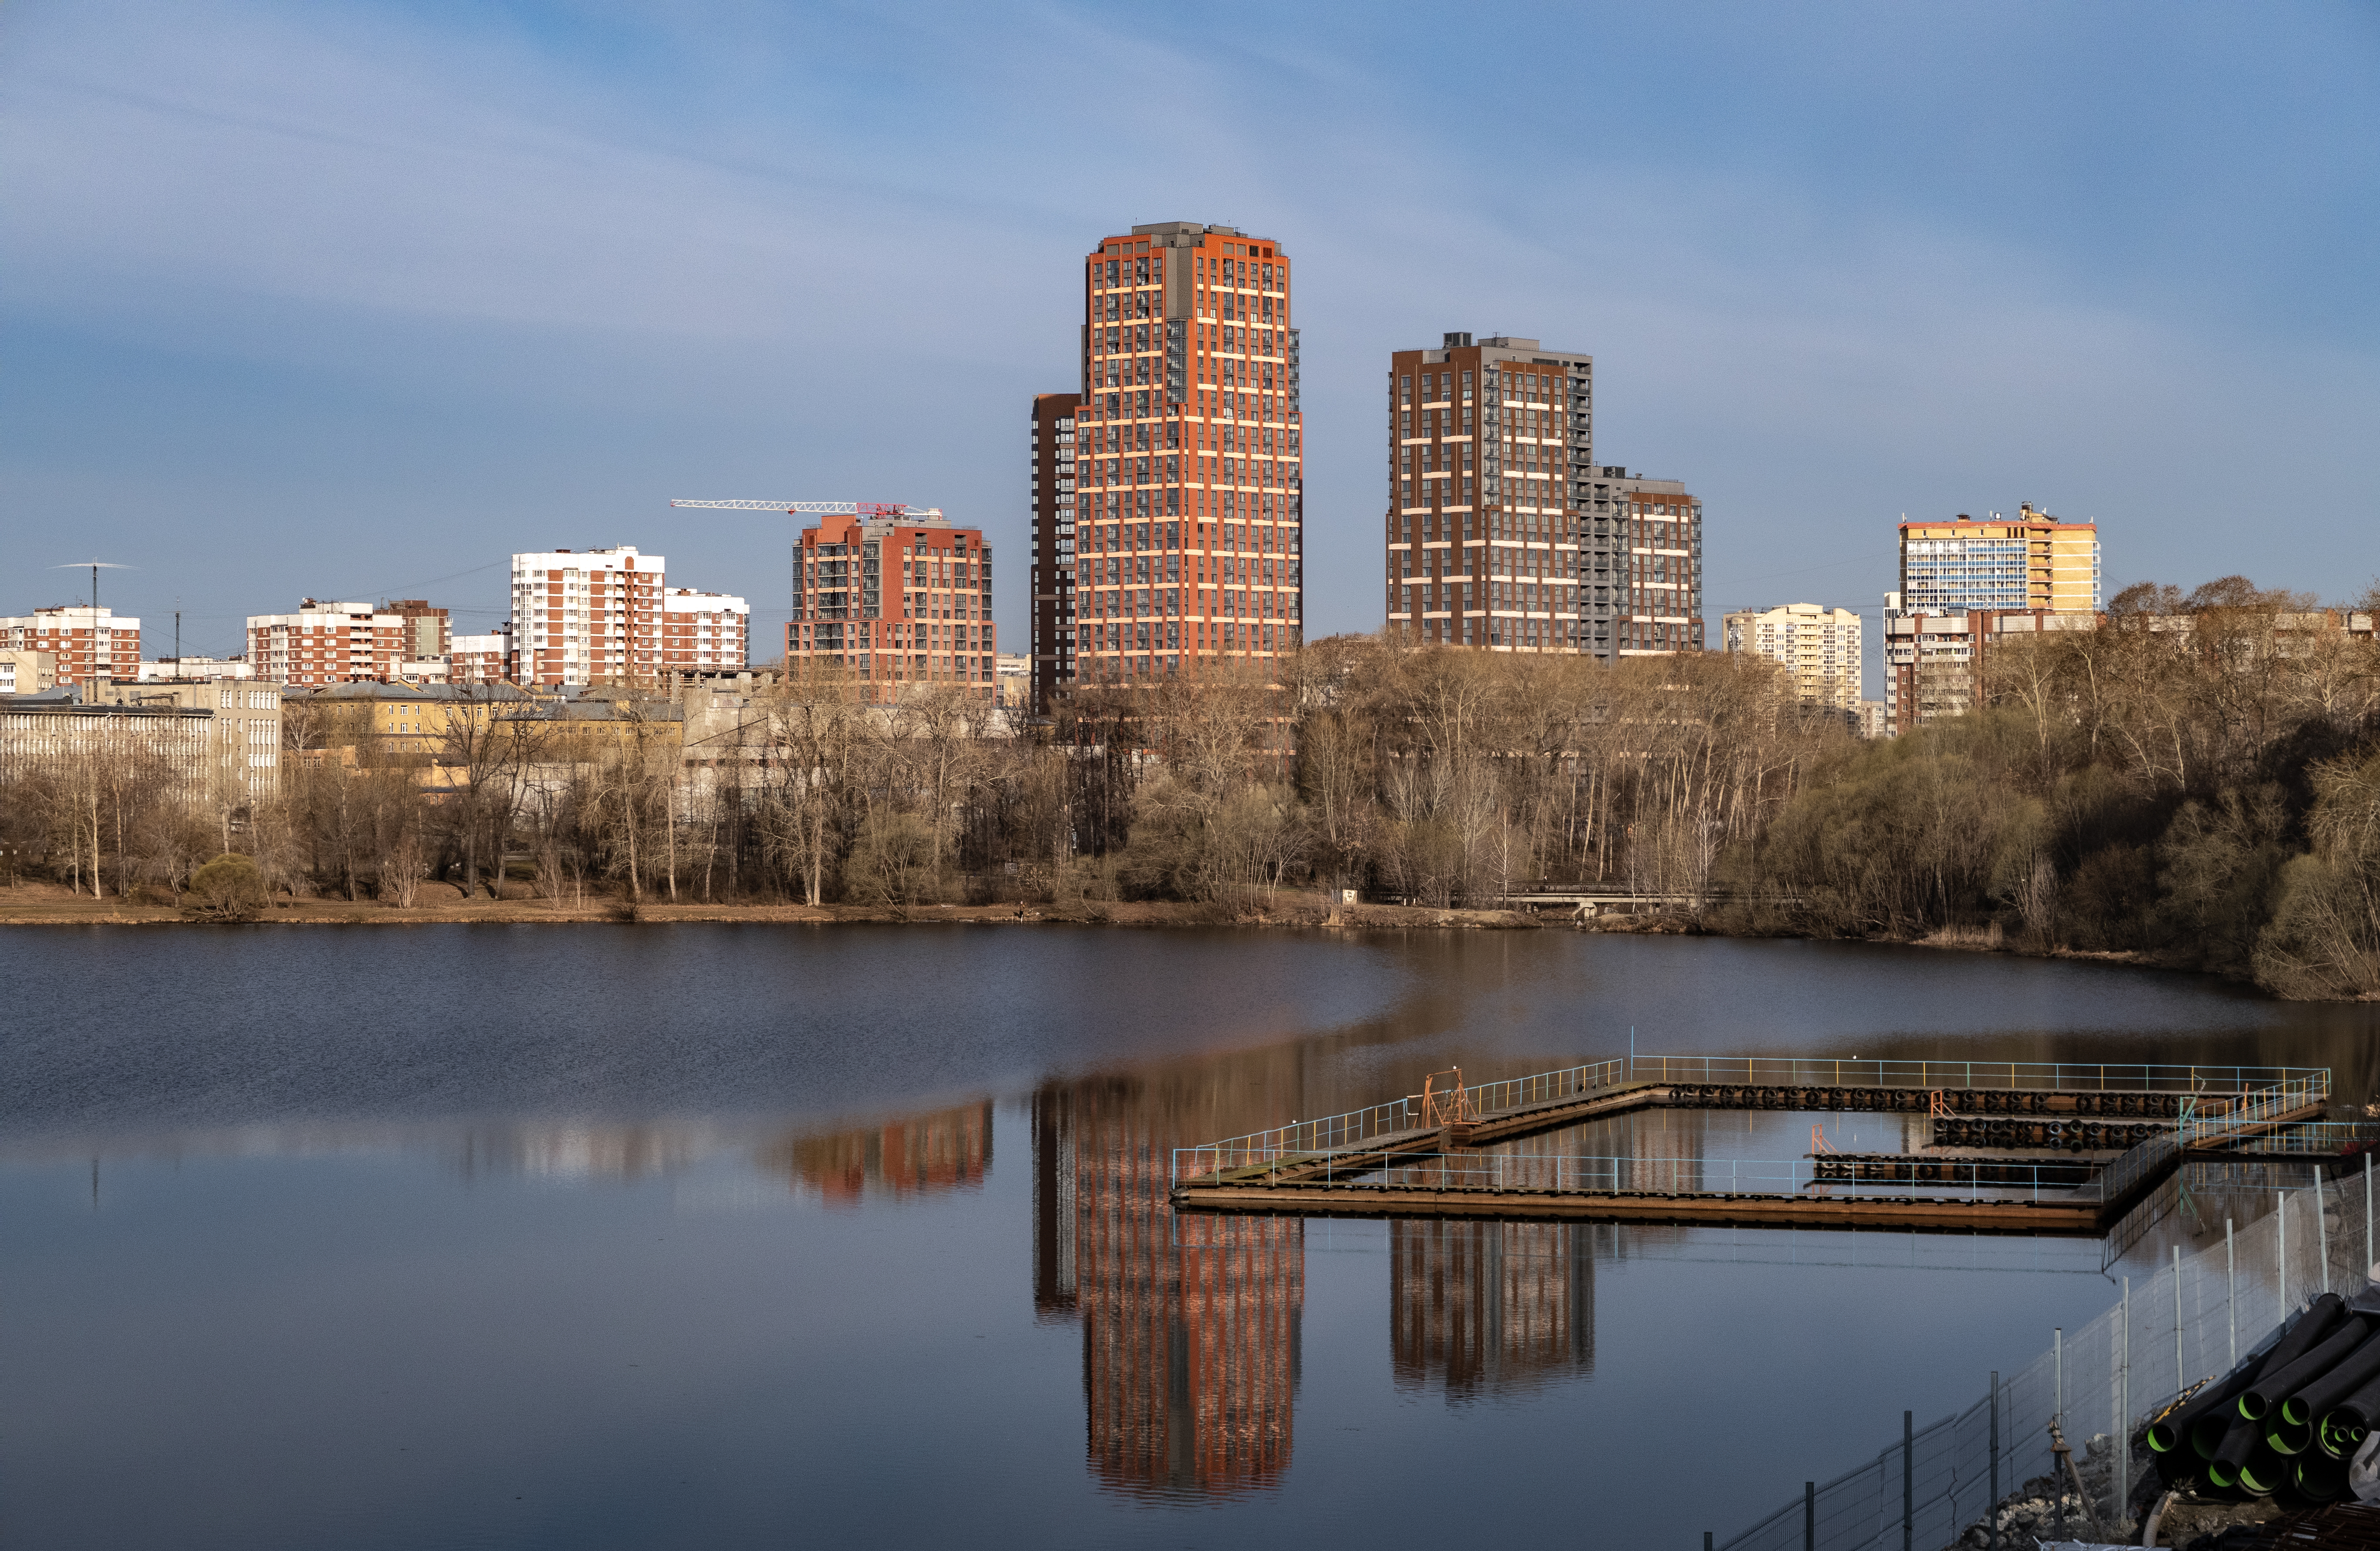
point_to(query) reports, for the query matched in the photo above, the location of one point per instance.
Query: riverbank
(443, 904)
(46, 905)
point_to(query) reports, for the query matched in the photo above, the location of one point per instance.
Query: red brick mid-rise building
(587, 617)
(704, 633)
(482, 659)
(1169, 531)
(429, 632)
(327, 643)
(898, 600)
(88, 642)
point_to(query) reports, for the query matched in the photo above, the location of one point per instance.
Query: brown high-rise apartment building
(1168, 532)
(1644, 555)
(1484, 520)
(896, 599)
(1503, 532)
(1053, 547)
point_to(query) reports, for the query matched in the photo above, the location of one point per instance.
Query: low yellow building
(436, 727)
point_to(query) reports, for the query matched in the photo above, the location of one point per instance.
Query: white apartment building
(587, 617)
(704, 633)
(1818, 648)
(88, 642)
(327, 643)
(482, 659)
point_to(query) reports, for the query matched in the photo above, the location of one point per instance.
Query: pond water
(724, 1236)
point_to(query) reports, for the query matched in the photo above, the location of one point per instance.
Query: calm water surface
(715, 1236)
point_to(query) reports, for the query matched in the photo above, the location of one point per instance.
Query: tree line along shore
(2205, 797)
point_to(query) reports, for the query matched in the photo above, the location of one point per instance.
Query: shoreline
(1295, 910)
(1298, 908)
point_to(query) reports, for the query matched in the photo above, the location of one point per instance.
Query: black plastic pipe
(2219, 1436)
(2173, 1430)
(2240, 1442)
(2263, 1472)
(2345, 1424)
(2207, 1433)
(2315, 1400)
(2277, 1385)
(2318, 1477)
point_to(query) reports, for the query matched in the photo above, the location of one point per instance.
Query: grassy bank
(48, 905)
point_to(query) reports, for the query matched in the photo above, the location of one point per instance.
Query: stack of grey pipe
(2288, 1419)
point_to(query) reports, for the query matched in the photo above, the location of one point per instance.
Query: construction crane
(795, 509)
(860, 508)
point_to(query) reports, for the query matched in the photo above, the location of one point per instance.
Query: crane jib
(865, 508)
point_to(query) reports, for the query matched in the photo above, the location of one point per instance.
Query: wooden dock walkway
(1441, 1171)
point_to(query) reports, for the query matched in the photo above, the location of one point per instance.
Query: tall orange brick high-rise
(1169, 533)
(897, 600)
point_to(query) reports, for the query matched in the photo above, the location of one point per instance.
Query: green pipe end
(2252, 1482)
(2294, 1411)
(2222, 1475)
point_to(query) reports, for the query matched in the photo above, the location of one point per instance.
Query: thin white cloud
(840, 244)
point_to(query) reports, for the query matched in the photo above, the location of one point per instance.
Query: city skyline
(453, 333)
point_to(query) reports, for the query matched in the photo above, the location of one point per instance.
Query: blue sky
(353, 299)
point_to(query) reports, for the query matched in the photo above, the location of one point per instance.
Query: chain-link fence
(2191, 1320)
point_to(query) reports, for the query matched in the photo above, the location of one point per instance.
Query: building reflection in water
(1190, 1323)
(1494, 1308)
(914, 1154)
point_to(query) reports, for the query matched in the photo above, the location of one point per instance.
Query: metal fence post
(2231, 1289)
(2281, 1228)
(2123, 1484)
(2368, 1257)
(2321, 1229)
(1809, 1516)
(1993, 1511)
(2179, 1378)
(2057, 1376)
(1908, 1480)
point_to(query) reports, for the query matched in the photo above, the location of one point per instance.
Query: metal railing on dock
(2045, 1077)
(1333, 1133)
(1996, 1179)
(2321, 1139)
(2266, 1107)
(1354, 1128)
